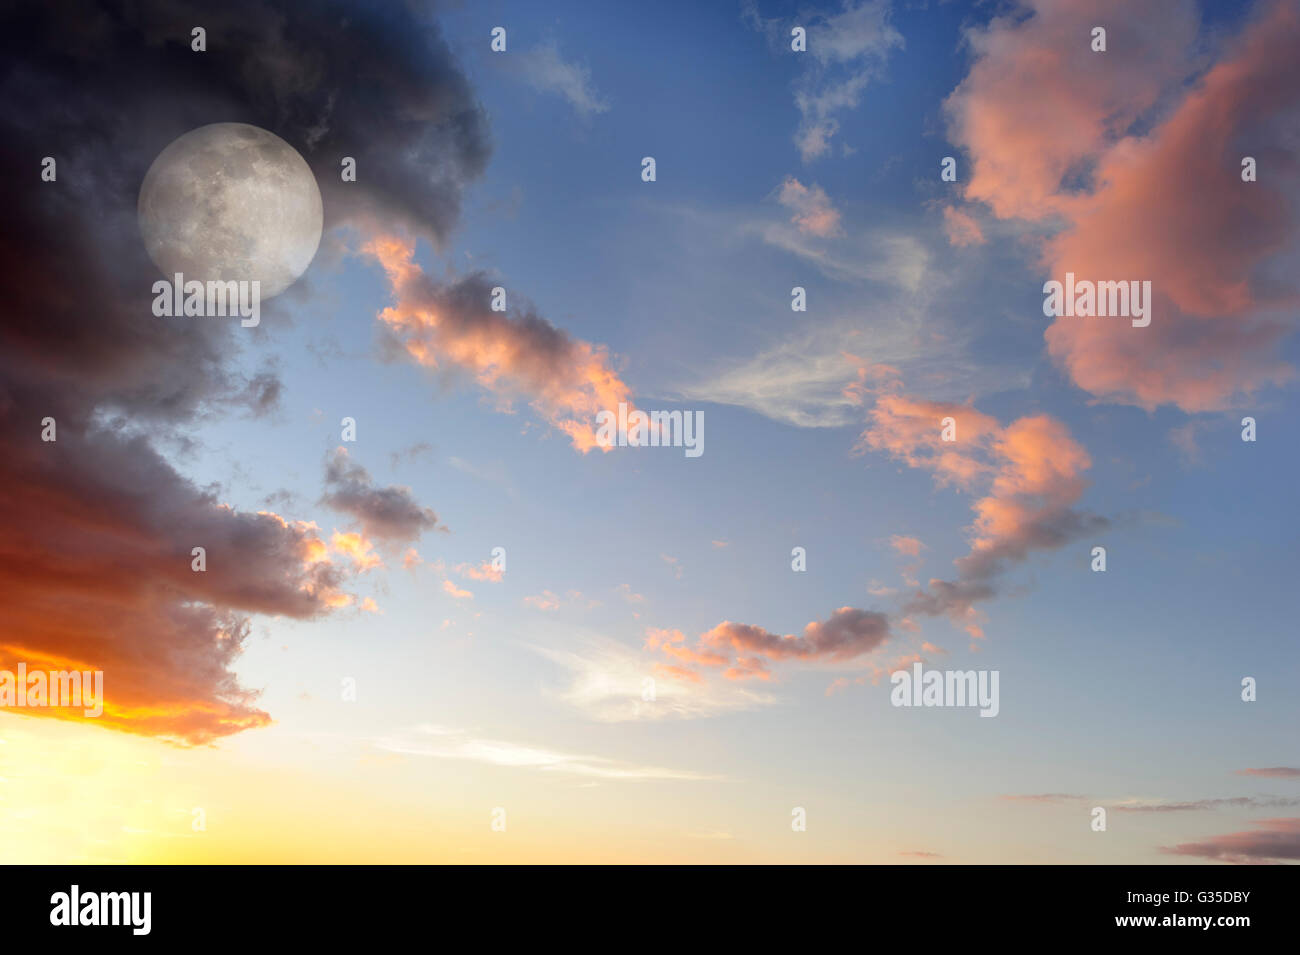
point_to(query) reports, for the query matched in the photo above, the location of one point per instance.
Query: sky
(441, 621)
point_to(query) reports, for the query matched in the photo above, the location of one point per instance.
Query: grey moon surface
(231, 201)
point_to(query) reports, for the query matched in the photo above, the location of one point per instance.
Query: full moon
(231, 201)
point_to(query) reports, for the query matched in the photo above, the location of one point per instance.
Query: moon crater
(231, 201)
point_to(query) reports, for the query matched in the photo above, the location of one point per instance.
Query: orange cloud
(1274, 840)
(356, 548)
(912, 429)
(1032, 471)
(813, 212)
(677, 673)
(456, 592)
(483, 571)
(961, 228)
(1061, 135)
(543, 601)
(745, 650)
(515, 353)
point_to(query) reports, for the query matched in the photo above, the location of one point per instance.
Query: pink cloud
(1032, 475)
(961, 228)
(1060, 135)
(456, 592)
(515, 353)
(1275, 841)
(745, 650)
(908, 546)
(813, 212)
(1276, 772)
(483, 571)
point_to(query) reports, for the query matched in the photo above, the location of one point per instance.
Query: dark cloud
(95, 560)
(387, 514)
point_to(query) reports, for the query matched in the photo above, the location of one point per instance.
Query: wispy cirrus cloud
(1147, 805)
(1042, 797)
(440, 742)
(548, 72)
(1204, 805)
(607, 681)
(846, 50)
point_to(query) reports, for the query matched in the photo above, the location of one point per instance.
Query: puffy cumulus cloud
(813, 212)
(1039, 478)
(1274, 840)
(96, 573)
(743, 651)
(1133, 160)
(356, 548)
(908, 546)
(911, 429)
(388, 514)
(95, 565)
(1031, 473)
(515, 353)
(1038, 102)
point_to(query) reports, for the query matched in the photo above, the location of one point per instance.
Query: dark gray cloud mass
(386, 514)
(95, 561)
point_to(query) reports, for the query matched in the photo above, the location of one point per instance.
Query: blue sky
(1116, 687)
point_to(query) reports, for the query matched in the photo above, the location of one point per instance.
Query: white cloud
(889, 257)
(443, 743)
(799, 382)
(543, 67)
(607, 679)
(845, 52)
(814, 213)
